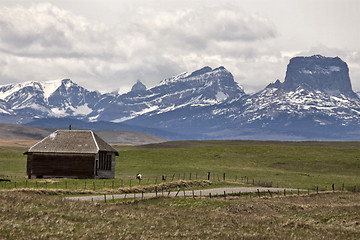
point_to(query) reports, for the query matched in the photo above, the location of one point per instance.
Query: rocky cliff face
(318, 73)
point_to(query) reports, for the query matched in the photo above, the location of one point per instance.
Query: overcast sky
(110, 44)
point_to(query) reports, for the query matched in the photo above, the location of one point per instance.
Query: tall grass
(323, 216)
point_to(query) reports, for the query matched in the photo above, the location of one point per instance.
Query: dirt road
(181, 193)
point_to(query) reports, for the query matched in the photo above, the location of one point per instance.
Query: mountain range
(314, 102)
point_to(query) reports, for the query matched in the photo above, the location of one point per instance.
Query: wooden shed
(71, 154)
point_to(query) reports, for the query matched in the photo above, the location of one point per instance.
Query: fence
(10, 182)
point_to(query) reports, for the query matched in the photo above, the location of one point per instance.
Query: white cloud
(150, 41)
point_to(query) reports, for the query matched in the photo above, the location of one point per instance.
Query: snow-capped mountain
(316, 99)
(315, 102)
(205, 87)
(57, 98)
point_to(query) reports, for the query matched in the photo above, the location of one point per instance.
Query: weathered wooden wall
(60, 165)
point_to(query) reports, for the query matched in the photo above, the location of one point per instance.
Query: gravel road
(181, 193)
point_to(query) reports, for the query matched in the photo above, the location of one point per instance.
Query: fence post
(208, 176)
(270, 193)
(284, 192)
(105, 197)
(317, 189)
(258, 192)
(224, 177)
(333, 187)
(224, 195)
(190, 176)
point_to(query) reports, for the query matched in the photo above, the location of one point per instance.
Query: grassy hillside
(285, 164)
(298, 165)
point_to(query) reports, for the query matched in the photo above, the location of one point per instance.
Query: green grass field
(284, 164)
(32, 215)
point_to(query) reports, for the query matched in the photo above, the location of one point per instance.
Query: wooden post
(105, 197)
(224, 177)
(284, 192)
(333, 187)
(190, 176)
(173, 177)
(298, 191)
(193, 194)
(210, 195)
(156, 191)
(208, 176)
(317, 189)
(270, 193)
(224, 195)
(258, 192)
(184, 192)
(177, 192)
(253, 182)
(125, 196)
(113, 198)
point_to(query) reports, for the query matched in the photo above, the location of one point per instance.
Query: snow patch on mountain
(50, 87)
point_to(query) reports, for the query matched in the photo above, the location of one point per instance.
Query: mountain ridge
(315, 97)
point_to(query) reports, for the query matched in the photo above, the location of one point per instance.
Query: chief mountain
(315, 102)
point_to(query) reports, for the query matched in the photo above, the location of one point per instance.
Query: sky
(108, 45)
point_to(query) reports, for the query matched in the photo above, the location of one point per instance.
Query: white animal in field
(138, 176)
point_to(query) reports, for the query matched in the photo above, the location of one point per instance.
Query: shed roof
(72, 141)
